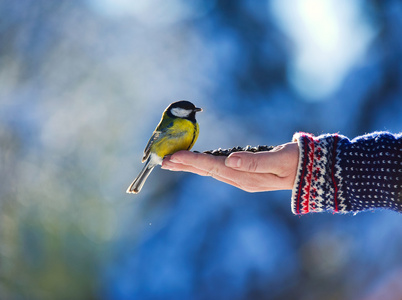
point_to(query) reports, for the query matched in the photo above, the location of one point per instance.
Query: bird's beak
(197, 109)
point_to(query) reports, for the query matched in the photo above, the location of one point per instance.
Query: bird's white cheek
(180, 112)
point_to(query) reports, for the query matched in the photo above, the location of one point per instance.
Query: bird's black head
(183, 109)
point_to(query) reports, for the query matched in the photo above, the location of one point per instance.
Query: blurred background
(83, 84)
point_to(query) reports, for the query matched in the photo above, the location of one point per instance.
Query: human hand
(252, 172)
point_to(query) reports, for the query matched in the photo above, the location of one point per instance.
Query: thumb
(260, 162)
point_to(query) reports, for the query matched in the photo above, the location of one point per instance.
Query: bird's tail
(136, 186)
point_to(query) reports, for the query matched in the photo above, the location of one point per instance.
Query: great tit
(177, 130)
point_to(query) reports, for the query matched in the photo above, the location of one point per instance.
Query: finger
(201, 161)
(214, 166)
(242, 180)
(207, 165)
(187, 168)
(168, 165)
(192, 158)
(282, 160)
(202, 164)
(260, 162)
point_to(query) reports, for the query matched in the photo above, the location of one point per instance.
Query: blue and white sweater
(341, 175)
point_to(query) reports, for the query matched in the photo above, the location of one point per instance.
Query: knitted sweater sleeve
(341, 175)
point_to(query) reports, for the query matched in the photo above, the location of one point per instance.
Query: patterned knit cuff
(318, 184)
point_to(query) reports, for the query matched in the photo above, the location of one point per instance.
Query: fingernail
(174, 160)
(166, 166)
(233, 162)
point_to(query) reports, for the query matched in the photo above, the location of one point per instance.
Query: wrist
(318, 183)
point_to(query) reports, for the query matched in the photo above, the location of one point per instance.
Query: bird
(177, 130)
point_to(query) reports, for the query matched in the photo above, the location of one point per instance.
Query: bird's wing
(147, 150)
(164, 125)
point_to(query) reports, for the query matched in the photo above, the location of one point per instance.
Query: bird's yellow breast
(180, 136)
